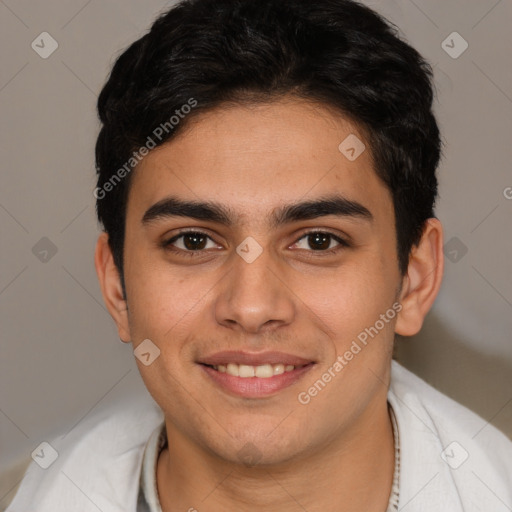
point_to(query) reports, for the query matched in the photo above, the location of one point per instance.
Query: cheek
(161, 297)
(162, 304)
(351, 298)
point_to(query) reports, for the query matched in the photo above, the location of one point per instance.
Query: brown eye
(194, 241)
(189, 241)
(320, 241)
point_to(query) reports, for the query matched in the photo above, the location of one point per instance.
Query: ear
(111, 289)
(422, 282)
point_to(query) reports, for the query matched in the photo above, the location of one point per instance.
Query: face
(283, 271)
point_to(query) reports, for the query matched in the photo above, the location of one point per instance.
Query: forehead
(255, 158)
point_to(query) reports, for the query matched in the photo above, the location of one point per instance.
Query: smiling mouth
(264, 371)
(255, 381)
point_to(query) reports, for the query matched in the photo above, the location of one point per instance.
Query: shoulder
(97, 465)
(448, 448)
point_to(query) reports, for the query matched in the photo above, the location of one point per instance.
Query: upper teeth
(264, 371)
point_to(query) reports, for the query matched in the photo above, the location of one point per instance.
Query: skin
(336, 452)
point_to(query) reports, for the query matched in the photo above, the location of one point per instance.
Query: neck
(350, 473)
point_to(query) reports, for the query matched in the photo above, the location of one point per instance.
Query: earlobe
(111, 288)
(422, 282)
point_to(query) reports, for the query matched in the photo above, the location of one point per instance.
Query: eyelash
(167, 244)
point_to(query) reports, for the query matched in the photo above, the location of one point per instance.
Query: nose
(253, 296)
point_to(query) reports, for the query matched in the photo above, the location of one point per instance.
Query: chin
(258, 446)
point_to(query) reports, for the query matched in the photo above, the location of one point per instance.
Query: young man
(266, 186)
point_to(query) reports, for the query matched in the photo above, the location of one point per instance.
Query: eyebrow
(214, 212)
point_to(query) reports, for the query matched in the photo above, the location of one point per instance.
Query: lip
(253, 358)
(255, 387)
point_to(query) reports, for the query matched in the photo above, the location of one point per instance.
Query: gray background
(60, 354)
